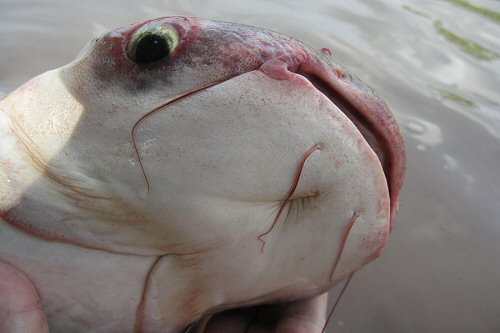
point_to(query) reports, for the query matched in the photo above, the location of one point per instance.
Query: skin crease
(244, 169)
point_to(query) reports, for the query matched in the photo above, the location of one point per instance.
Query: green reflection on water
(488, 13)
(457, 98)
(466, 45)
(416, 12)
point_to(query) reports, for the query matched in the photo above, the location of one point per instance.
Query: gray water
(441, 269)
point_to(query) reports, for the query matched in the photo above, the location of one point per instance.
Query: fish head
(253, 164)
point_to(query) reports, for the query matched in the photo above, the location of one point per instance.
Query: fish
(180, 167)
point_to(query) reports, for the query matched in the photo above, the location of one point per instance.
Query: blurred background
(436, 63)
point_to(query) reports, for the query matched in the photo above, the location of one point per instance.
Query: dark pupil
(151, 48)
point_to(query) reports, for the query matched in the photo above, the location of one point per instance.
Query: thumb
(20, 306)
(304, 316)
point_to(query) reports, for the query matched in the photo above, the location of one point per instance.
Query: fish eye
(152, 43)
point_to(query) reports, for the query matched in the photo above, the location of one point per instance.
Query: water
(441, 269)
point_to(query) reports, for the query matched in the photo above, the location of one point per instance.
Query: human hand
(307, 316)
(20, 307)
(21, 311)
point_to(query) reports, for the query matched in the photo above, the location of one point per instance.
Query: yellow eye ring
(152, 43)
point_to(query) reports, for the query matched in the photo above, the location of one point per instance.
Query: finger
(307, 316)
(20, 307)
(234, 321)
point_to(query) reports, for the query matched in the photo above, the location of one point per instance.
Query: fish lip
(369, 114)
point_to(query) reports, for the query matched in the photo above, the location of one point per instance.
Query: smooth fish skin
(181, 166)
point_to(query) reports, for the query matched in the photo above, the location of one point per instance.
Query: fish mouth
(369, 114)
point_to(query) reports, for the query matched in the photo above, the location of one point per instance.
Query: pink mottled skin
(243, 169)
